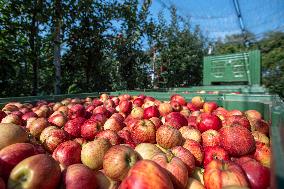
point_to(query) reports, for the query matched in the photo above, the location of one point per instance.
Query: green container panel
(233, 68)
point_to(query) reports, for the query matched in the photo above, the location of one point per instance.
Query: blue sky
(217, 18)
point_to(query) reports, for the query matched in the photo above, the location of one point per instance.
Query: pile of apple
(132, 142)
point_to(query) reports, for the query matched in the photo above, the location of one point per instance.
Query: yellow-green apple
(147, 174)
(193, 183)
(168, 137)
(37, 126)
(90, 129)
(56, 106)
(73, 126)
(214, 152)
(260, 137)
(257, 174)
(176, 120)
(165, 109)
(253, 115)
(81, 141)
(104, 97)
(67, 153)
(196, 149)
(79, 176)
(10, 134)
(113, 124)
(137, 112)
(147, 150)
(144, 131)
(263, 154)
(110, 135)
(11, 155)
(186, 157)
(93, 152)
(12, 118)
(105, 182)
(38, 171)
(190, 133)
(219, 174)
(118, 160)
(178, 98)
(176, 168)
(237, 140)
(197, 101)
(185, 112)
(151, 111)
(210, 138)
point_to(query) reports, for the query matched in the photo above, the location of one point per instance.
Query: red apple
(55, 137)
(79, 176)
(176, 120)
(176, 106)
(80, 141)
(2, 183)
(126, 137)
(214, 152)
(165, 109)
(196, 149)
(101, 118)
(237, 140)
(219, 174)
(261, 126)
(185, 112)
(73, 127)
(221, 113)
(190, 133)
(11, 134)
(38, 171)
(157, 122)
(2, 115)
(11, 155)
(117, 116)
(186, 157)
(110, 135)
(258, 175)
(138, 102)
(46, 132)
(76, 111)
(37, 126)
(125, 106)
(26, 116)
(210, 138)
(151, 111)
(105, 182)
(168, 137)
(146, 174)
(197, 101)
(209, 121)
(192, 107)
(118, 160)
(67, 153)
(252, 115)
(209, 107)
(178, 98)
(147, 150)
(192, 121)
(90, 129)
(237, 120)
(93, 152)
(109, 103)
(177, 170)
(234, 112)
(144, 131)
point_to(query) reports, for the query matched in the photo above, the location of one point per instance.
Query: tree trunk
(34, 58)
(57, 48)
